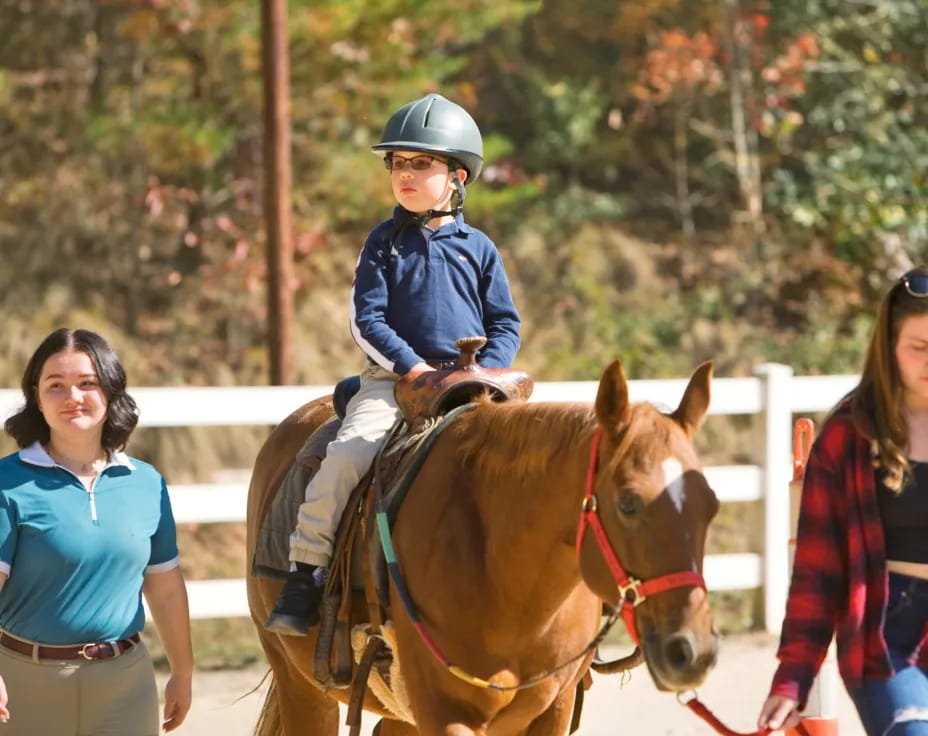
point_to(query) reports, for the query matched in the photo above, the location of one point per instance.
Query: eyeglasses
(916, 282)
(416, 163)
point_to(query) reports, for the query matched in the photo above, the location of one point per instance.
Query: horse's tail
(269, 723)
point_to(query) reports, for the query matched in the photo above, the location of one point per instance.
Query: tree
(672, 74)
(853, 169)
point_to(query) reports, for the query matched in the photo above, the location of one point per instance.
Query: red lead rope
(709, 717)
(631, 591)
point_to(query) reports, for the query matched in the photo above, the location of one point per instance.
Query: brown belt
(101, 650)
(438, 365)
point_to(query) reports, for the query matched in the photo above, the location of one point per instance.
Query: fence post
(777, 473)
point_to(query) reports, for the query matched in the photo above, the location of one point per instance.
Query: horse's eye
(628, 503)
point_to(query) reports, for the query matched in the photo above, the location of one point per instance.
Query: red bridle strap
(632, 592)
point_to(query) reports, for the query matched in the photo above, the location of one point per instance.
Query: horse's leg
(436, 723)
(556, 720)
(452, 729)
(390, 727)
(306, 711)
(304, 708)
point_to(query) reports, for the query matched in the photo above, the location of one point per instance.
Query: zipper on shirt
(93, 503)
(88, 491)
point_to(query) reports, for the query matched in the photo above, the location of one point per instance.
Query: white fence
(774, 392)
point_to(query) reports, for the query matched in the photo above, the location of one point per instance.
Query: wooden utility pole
(744, 135)
(277, 183)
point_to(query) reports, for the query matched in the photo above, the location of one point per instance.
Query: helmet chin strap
(454, 211)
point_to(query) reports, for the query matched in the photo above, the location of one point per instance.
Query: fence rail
(773, 392)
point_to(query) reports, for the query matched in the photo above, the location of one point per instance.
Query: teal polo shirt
(76, 558)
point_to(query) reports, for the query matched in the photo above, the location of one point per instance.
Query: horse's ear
(612, 396)
(695, 399)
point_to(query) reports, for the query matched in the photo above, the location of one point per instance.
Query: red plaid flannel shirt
(839, 583)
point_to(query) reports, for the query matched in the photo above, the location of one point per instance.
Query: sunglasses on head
(916, 282)
(422, 162)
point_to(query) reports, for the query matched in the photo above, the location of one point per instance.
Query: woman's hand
(178, 694)
(779, 712)
(167, 599)
(4, 711)
(4, 698)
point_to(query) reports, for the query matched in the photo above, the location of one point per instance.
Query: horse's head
(654, 507)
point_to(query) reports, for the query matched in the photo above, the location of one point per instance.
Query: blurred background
(668, 181)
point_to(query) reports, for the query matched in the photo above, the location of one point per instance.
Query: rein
(632, 592)
(396, 575)
(383, 526)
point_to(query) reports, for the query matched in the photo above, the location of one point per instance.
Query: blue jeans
(886, 706)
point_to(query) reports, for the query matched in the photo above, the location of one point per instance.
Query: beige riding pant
(369, 416)
(106, 697)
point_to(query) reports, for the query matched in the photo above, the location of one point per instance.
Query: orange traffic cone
(817, 727)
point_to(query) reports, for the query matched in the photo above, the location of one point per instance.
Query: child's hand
(417, 370)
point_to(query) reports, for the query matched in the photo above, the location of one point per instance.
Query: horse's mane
(524, 438)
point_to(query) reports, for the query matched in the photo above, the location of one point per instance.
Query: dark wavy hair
(29, 426)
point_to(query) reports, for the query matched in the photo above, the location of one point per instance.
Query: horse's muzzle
(681, 660)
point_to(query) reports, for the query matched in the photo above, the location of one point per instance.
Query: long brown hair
(876, 401)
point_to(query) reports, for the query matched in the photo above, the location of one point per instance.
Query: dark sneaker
(297, 608)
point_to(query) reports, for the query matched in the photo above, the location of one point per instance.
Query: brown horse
(488, 544)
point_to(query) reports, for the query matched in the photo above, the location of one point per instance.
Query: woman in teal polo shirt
(84, 532)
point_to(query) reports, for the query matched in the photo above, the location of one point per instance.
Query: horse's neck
(530, 522)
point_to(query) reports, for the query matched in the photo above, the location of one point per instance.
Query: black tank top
(905, 516)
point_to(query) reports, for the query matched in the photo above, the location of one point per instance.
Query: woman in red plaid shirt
(861, 566)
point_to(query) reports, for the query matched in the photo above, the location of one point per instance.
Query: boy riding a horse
(424, 279)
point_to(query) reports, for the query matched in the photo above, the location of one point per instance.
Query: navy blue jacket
(416, 292)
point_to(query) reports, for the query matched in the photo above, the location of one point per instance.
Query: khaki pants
(107, 697)
(369, 416)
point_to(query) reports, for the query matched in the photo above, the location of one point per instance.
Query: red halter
(632, 592)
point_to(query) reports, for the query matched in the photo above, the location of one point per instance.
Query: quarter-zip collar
(36, 454)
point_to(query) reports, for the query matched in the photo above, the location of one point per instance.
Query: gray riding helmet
(435, 124)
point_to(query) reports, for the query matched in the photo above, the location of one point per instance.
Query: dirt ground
(734, 691)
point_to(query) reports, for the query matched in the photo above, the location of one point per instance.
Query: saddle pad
(272, 551)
